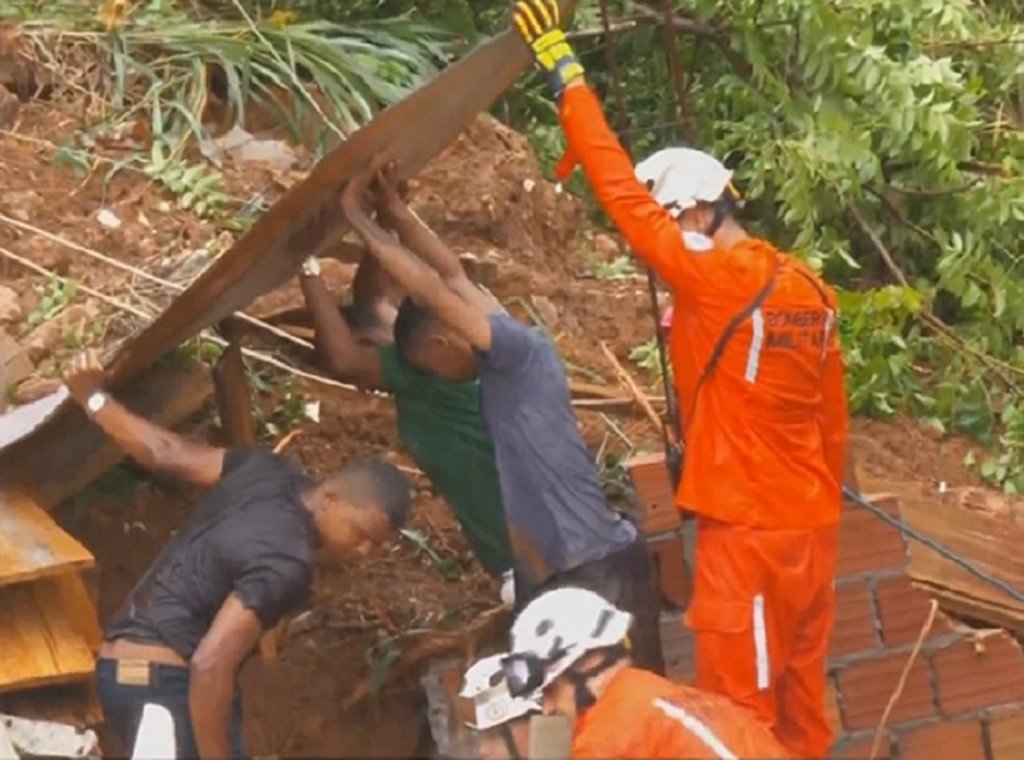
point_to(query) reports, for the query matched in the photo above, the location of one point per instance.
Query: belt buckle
(133, 672)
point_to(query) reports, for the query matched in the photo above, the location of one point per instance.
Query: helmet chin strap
(580, 679)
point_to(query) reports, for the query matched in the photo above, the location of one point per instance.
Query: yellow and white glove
(538, 23)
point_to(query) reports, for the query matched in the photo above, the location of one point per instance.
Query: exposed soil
(486, 196)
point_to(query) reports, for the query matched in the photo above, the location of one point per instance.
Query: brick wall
(964, 695)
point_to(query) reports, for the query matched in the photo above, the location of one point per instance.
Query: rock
(10, 106)
(546, 308)
(108, 219)
(606, 246)
(243, 147)
(20, 204)
(43, 339)
(10, 306)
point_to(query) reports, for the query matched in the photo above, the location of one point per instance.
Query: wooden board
(32, 545)
(40, 639)
(987, 530)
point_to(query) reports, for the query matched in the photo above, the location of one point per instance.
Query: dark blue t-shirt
(557, 513)
(250, 535)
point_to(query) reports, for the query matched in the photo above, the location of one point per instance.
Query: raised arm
(650, 230)
(421, 240)
(154, 447)
(421, 282)
(344, 356)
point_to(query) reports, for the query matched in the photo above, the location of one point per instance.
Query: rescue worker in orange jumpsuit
(759, 376)
(570, 657)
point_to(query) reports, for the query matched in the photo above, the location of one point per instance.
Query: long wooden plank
(39, 641)
(987, 530)
(32, 545)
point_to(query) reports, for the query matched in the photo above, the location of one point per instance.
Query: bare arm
(212, 672)
(154, 447)
(343, 355)
(423, 284)
(421, 240)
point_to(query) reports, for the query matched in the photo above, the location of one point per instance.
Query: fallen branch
(439, 643)
(901, 684)
(631, 386)
(1001, 368)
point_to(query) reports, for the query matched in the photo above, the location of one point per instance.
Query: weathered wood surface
(41, 638)
(986, 529)
(32, 545)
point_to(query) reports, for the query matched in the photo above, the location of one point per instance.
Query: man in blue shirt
(561, 527)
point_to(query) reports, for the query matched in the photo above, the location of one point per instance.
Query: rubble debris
(986, 529)
(41, 738)
(242, 146)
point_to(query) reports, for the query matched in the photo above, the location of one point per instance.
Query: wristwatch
(95, 402)
(311, 267)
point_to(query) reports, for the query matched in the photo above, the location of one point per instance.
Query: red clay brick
(854, 629)
(1006, 735)
(868, 545)
(867, 686)
(944, 741)
(860, 749)
(653, 491)
(903, 611)
(978, 673)
(677, 646)
(835, 721)
(670, 564)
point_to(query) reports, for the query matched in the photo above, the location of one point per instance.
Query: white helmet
(680, 178)
(555, 630)
(485, 685)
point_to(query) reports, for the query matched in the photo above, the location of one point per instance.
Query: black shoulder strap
(728, 332)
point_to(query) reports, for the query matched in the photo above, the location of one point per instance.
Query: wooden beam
(32, 545)
(234, 398)
(986, 529)
(40, 642)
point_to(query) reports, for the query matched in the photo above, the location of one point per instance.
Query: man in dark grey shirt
(561, 527)
(243, 560)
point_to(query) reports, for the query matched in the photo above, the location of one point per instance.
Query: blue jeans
(168, 687)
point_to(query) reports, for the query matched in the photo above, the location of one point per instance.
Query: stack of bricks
(963, 697)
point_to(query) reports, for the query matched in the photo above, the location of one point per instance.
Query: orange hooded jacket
(766, 433)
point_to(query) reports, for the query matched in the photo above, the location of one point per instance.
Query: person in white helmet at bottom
(571, 653)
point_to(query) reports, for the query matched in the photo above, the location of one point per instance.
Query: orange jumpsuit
(642, 715)
(765, 443)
